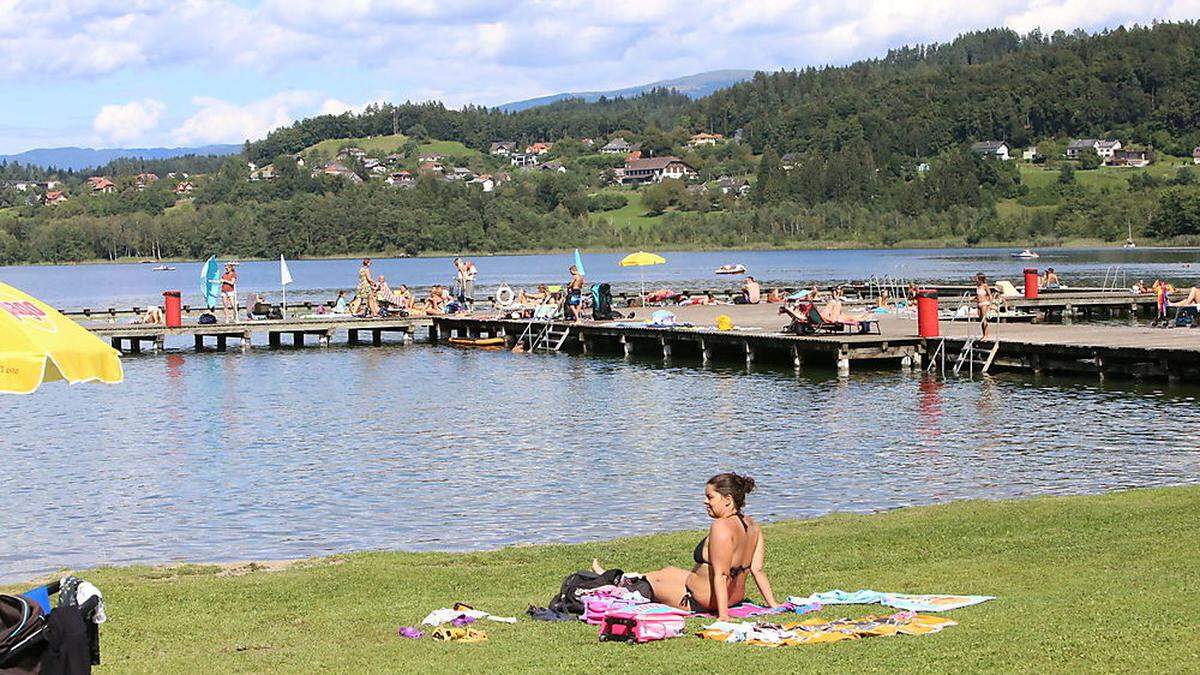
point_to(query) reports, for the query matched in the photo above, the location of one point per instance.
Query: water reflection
(295, 453)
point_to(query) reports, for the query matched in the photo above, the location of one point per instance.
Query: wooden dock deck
(130, 337)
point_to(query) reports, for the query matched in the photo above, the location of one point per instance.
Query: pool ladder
(974, 354)
(549, 338)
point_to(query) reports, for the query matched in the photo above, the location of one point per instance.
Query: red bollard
(171, 307)
(1031, 283)
(927, 313)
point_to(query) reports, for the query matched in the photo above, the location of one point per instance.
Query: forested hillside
(874, 153)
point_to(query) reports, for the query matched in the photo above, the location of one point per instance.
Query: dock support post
(408, 335)
(221, 340)
(1133, 314)
(160, 342)
(585, 343)
(353, 335)
(325, 338)
(705, 352)
(116, 343)
(906, 362)
(377, 337)
(797, 359)
(434, 333)
(273, 339)
(246, 342)
(627, 344)
(666, 349)
(1068, 315)
(749, 353)
(135, 345)
(199, 343)
(843, 362)
(297, 339)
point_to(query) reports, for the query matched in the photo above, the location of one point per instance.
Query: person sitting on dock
(340, 305)
(732, 552)
(153, 315)
(533, 299)
(751, 293)
(884, 301)
(1049, 279)
(387, 297)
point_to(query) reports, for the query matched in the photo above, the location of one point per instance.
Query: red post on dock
(927, 313)
(171, 307)
(1031, 283)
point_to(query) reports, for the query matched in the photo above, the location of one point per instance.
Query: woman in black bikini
(734, 547)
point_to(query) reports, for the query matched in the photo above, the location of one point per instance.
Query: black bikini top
(698, 554)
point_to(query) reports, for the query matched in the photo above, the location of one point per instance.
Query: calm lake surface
(264, 455)
(100, 286)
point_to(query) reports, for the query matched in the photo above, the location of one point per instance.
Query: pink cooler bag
(642, 623)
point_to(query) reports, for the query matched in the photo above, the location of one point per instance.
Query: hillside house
(263, 173)
(459, 173)
(484, 181)
(993, 149)
(738, 187)
(523, 159)
(539, 148)
(654, 170)
(54, 197)
(401, 179)
(184, 188)
(102, 184)
(431, 166)
(1195, 155)
(1104, 148)
(617, 146)
(339, 170)
(356, 153)
(789, 160)
(704, 138)
(1029, 154)
(554, 165)
(1132, 157)
(588, 143)
(144, 180)
(431, 157)
(502, 148)
(923, 167)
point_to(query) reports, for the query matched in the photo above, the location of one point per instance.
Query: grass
(1113, 178)
(632, 216)
(380, 146)
(1096, 583)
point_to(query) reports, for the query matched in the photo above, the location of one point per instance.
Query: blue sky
(188, 72)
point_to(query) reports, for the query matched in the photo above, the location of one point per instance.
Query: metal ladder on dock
(549, 338)
(974, 354)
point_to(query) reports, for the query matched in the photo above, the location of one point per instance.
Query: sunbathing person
(733, 550)
(153, 315)
(884, 301)
(531, 299)
(1192, 299)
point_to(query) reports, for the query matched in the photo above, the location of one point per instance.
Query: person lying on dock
(775, 295)
(707, 299)
(732, 551)
(1192, 299)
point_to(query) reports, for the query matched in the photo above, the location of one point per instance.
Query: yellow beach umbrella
(642, 259)
(37, 344)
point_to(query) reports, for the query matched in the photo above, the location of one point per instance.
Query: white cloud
(220, 121)
(125, 122)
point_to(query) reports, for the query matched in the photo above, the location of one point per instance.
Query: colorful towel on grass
(907, 601)
(746, 610)
(817, 631)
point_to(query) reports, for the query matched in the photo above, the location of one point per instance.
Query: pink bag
(642, 623)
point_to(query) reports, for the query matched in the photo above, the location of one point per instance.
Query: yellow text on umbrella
(38, 344)
(642, 258)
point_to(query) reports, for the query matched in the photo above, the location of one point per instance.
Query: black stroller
(36, 638)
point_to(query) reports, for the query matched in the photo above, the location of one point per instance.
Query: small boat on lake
(163, 268)
(731, 269)
(479, 343)
(1026, 255)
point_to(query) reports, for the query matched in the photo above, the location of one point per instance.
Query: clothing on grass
(547, 614)
(446, 615)
(68, 643)
(816, 631)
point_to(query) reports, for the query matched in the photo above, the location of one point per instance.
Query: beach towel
(819, 631)
(907, 601)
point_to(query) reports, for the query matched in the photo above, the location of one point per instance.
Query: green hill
(383, 145)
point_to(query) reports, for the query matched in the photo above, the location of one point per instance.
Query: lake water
(264, 455)
(101, 286)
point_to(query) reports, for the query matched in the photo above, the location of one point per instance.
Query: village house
(1196, 155)
(484, 181)
(923, 167)
(357, 153)
(523, 159)
(263, 173)
(698, 189)
(401, 179)
(144, 180)
(1104, 148)
(431, 166)
(431, 157)
(1132, 157)
(588, 143)
(553, 165)
(502, 148)
(996, 149)
(340, 170)
(738, 187)
(459, 173)
(617, 146)
(184, 188)
(102, 184)
(539, 148)
(23, 185)
(655, 169)
(54, 197)
(704, 138)
(1029, 154)
(393, 159)
(789, 160)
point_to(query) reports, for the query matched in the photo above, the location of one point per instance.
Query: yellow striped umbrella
(37, 344)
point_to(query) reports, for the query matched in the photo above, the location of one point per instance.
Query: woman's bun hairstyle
(734, 486)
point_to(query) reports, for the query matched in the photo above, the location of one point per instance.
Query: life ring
(504, 296)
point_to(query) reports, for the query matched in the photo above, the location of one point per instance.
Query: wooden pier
(129, 338)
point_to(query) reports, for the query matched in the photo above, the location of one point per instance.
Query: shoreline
(1099, 577)
(917, 245)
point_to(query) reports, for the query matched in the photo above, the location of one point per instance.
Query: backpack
(642, 623)
(21, 636)
(568, 601)
(602, 302)
(206, 319)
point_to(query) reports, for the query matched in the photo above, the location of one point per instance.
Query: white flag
(285, 277)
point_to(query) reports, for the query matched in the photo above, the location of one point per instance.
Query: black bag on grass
(568, 600)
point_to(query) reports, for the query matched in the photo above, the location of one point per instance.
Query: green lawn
(1098, 583)
(1116, 178)
(632, 215)
(379, 146)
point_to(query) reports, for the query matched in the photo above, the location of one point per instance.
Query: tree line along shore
(879, 152)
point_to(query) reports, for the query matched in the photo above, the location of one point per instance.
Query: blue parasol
(210, 282)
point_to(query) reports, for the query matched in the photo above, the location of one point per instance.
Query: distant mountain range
(86, 158)
(694, 86)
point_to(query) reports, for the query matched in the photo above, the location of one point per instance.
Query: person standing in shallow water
(733, 550)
